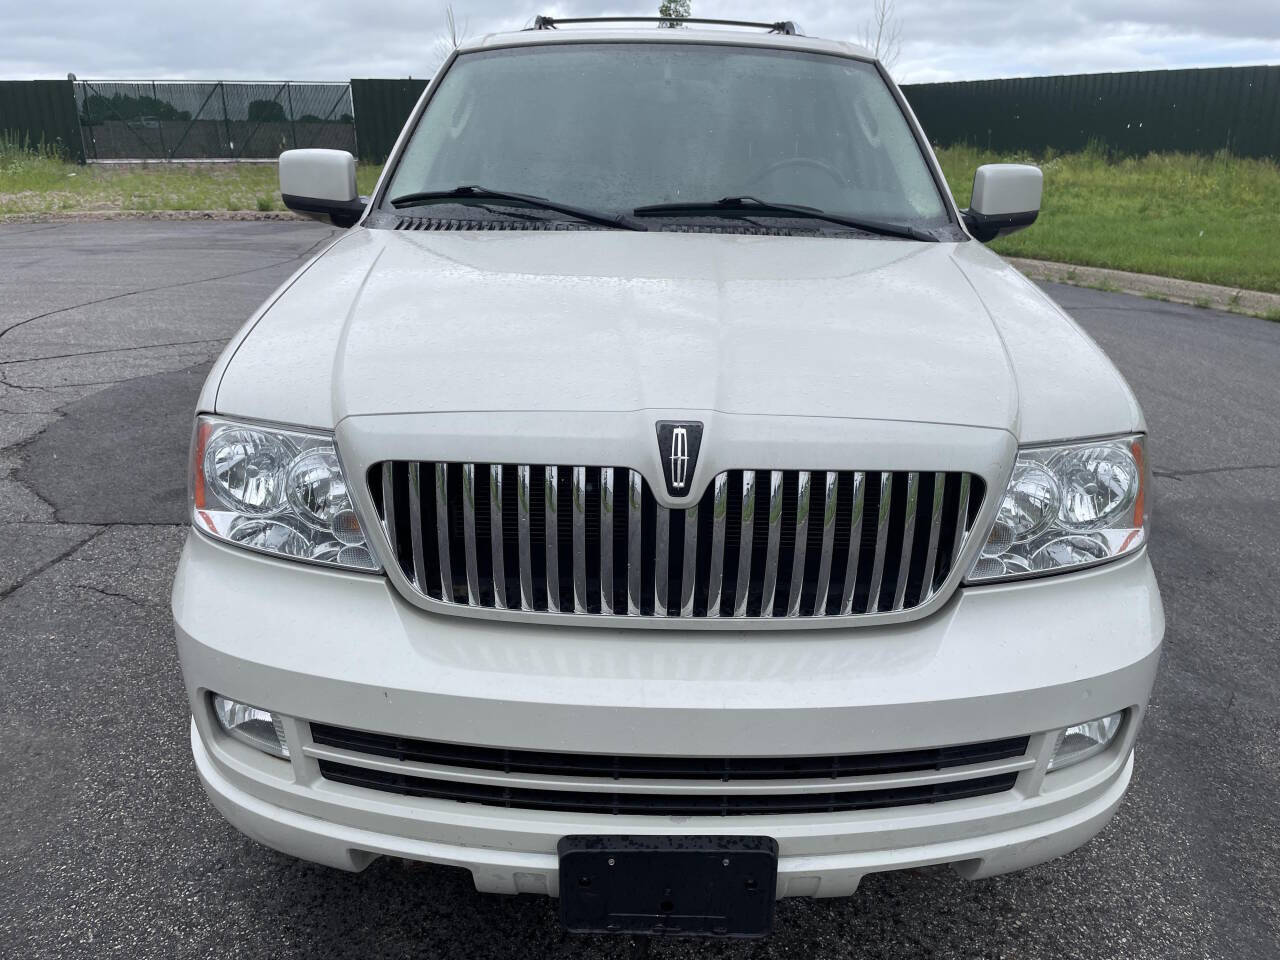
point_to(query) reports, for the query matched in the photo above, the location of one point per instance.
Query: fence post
(160, 124)
(293, 125)
(226, 119)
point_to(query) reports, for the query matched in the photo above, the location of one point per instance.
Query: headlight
(1068, 506)
(278, 491)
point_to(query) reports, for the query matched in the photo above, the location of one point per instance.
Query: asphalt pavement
(109, 848)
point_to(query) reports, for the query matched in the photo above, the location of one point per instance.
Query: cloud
(331, 40)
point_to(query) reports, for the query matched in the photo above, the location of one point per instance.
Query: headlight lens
(278, 491)
(1068, 506)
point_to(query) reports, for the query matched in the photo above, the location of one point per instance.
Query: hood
(405, 322)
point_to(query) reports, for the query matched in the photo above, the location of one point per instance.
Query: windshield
(616, 126)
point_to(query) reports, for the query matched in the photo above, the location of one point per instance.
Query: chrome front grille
(593, 540)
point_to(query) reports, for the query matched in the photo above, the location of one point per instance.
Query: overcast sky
(336, 40)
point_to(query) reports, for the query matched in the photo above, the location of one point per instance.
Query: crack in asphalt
(167, 286)
(81, 383)
(37, 229)
(98, 529)
(9, 385)
(1180, 474)
(145, 604)
(95, 353)
(30, 575)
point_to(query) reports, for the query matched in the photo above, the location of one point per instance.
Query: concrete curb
(1252, 302)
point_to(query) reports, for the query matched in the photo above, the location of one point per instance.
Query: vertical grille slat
(719, 520)
(442, 532)
(859, 483)
(803, 501)
(552, 537)
(772, 544)
(496, 542)
(935, 531)
(415, 527)
(606, 540)
(389, 512)
(908, 540)
(578, 504)
(830, 503)
(962, 524)
(882, 542)
(689, 565)
(742, 586)
(469, 533)
(584, 540)
(635, 500)
(525, 534)
(662, 563)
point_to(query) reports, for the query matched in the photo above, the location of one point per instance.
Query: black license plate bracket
(708, 886)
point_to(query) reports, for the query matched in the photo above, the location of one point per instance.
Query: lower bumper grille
(662, 804)
(416, 782)
(627, 766)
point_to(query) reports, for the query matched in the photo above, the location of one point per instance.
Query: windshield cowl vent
(742, 229)
(436, 223)
(439, 224)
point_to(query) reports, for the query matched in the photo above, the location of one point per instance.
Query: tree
(449, 39)
(266, 111)
(882, 34)
(121, 106)
(674, 9)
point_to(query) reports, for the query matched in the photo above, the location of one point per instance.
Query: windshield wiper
(732, 206)
(465, 194)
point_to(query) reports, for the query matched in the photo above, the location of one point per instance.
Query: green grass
(38, 181)
(1213, 219)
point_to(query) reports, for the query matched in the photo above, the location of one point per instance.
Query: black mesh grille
(663, 804)
(627, 766)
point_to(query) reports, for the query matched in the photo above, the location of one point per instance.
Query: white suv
(661, 499)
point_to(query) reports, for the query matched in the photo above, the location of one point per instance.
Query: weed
(38, 180)
(1212, 219)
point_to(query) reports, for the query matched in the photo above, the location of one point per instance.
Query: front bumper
(999, 661)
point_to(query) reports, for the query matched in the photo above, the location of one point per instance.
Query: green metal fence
(41, 113)
(179, 120)
(1191, 111)
(1194, 111)
(381, 108)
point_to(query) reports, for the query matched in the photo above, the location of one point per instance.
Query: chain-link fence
(177, 120)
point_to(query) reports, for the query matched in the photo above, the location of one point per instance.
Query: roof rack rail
(786, 27)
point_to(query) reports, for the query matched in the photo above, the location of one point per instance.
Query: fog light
(1084, 740)
(258, 728)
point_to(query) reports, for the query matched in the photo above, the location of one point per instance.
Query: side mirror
(1006, 199)
(321, 184)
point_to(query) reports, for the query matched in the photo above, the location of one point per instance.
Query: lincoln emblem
(678, 443)
(679, 457)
